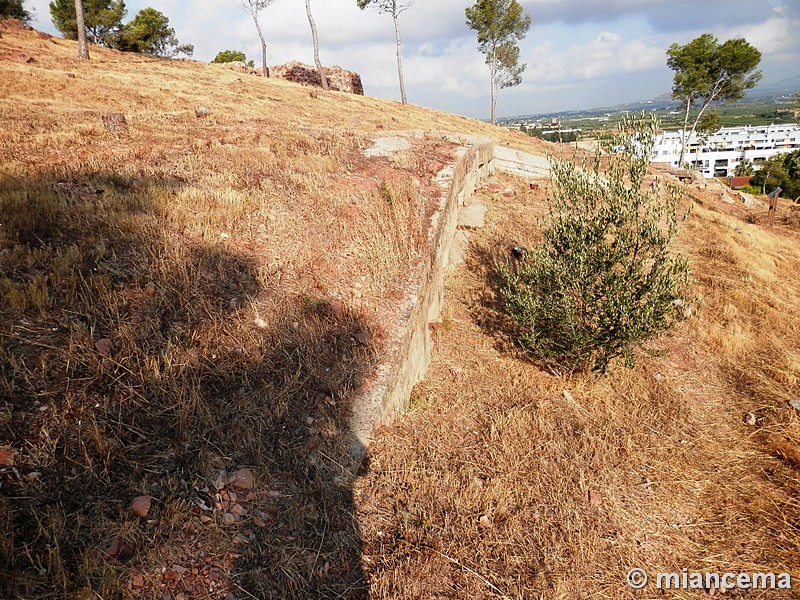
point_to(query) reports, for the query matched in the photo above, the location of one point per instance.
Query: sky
(579, 53)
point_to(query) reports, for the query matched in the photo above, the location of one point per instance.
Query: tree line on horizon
(706, 71)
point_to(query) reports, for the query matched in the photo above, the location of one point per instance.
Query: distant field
(594, 123)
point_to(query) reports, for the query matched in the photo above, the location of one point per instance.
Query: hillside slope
(187, 303)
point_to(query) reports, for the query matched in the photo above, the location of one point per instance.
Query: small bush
(603, 282)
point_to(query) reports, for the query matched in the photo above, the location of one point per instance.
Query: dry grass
(188, 296)
(507, 481)
(192, 296)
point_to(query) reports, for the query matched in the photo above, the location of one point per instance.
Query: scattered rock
(137, 581)
(493, 186)
(202, 111)
(795, 404)
(228, 519)
(337, 308)
(313, 94)
(508, 192)
(749, 419)
(594, 498)
(116, 550)
(140, 506)
(116, 122)
(150, 290)
(238, 510)
(8, 457)
(519, 252)
(242, 479)
(363, 338)
(4, 251)
(103, 346)
(435, 166)
(485, 521)
(260, 323)
(221, 481)
(748, 200)
(25, 58)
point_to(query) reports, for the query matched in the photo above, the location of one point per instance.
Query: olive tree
(604, 281)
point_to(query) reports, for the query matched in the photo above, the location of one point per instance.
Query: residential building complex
(721, 152)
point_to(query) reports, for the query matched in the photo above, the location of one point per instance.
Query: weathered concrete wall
(410, 344)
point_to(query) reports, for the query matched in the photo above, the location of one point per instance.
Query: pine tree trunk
(403, 98)
(80, 22)
(264, 67)
(315, 41)
(684, 138)
(494, 92)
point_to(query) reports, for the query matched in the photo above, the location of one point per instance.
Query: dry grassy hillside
(506, 480)
(187, 302)
(184, 297)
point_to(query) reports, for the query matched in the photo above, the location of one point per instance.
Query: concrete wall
(410, 343)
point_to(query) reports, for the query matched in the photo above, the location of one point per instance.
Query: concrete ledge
(409, 345)
(521, 163)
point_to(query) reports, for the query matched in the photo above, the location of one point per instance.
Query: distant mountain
(790, 85)
(784, 87)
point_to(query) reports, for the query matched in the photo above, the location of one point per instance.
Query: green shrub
(753, 190)
(227, 56)
(603, 282)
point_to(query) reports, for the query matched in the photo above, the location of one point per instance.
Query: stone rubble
(338, 78)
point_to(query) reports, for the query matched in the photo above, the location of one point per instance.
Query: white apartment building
(722, 151)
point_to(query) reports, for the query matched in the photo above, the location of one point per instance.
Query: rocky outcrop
(338, 78)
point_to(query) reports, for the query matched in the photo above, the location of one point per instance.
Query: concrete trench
(410, 342)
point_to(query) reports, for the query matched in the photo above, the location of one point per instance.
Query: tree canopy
(226, 56)
(500, 24)
(149, 33)
(707, 71)
(103, 19)
(14, 9)
(781, 170)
